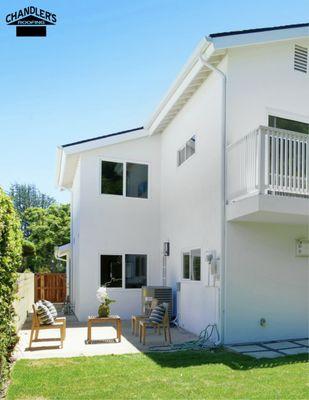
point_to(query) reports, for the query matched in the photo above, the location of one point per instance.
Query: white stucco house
(220, 172)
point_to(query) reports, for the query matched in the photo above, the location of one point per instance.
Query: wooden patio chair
(165, 325)
(135, 319)
(36, 327)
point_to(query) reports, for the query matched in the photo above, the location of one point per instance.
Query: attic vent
(300, 58)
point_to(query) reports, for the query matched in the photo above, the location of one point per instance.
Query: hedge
(10, 261)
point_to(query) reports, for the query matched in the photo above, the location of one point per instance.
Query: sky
(102, 68)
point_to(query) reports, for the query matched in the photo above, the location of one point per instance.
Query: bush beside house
(10, 261)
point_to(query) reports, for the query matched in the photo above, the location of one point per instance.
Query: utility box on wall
(302, 248)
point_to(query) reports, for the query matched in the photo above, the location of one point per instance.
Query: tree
(25, 196)
(10, 261)
(47, 228)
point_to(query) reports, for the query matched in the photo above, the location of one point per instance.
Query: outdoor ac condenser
(163, 293)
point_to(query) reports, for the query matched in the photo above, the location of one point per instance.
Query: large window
(191, 265)
(136, 270)
(111, 271)
(124, 271)
(116, 175)
(186, 151)
(288, 124)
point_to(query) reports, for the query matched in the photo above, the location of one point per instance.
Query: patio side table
(115, 319)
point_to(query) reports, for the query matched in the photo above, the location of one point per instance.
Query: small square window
(112, 178)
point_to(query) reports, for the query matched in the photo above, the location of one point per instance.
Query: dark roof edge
(102, 137)
(274, 28)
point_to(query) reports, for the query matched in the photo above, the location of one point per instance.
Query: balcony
(268, 177)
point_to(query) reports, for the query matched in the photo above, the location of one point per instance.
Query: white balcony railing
(268, 161)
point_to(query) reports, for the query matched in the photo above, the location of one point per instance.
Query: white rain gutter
(223, 194)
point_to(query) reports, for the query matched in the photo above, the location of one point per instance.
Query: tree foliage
(25, 196)
(10, 261)
(47, 228)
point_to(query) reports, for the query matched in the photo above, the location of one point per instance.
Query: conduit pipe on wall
(223, 192)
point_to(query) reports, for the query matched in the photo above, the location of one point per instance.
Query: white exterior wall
(264, 279)
(75, 233)
(117, 225)
(262, 81)
(190, 200)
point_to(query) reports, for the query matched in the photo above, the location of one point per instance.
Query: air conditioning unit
(164, 294)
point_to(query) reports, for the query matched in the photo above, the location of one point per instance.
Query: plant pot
(103, 311)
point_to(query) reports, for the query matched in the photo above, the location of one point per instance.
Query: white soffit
(194, 73)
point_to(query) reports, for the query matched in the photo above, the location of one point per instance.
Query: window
(289, 124)
(186, 151)
(191, 265)
(136, 270)
(111, 271)
(137, 180)
(135, 176)
(112, 178)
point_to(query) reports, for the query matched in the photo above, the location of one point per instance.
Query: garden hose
(205, 341)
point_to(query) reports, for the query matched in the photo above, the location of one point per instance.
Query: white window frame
(189, 251)
(184, 147)
(124, 178)
(123, 268)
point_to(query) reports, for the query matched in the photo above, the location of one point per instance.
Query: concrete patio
(103, 337)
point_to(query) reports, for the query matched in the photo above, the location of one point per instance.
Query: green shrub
(10, 261)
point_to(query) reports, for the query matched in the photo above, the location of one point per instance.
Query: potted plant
(105, 300)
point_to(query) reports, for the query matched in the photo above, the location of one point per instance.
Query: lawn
(179, 375)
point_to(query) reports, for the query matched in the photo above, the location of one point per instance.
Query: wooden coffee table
(114, 319)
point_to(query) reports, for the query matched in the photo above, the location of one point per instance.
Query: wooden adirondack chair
(60, 323)
(135, 319)
(165, 325)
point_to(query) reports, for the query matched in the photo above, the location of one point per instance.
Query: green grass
(180, 375)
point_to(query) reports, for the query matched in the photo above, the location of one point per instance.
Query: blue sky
(103, 68)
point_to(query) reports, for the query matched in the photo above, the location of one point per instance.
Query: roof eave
(211, 48)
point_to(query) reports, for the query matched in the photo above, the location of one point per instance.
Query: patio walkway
(74, 344)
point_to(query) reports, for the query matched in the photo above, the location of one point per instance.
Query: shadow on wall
(184, 359)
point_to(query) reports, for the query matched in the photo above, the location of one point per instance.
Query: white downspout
(223, 194)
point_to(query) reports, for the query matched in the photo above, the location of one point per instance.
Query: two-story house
(221, 173)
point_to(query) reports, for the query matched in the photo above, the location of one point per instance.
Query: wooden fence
(50, 286)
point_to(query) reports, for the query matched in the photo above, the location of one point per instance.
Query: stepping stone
(296, 350)
(304, 342)
(281, 345)
(264, 354)
(246, 348)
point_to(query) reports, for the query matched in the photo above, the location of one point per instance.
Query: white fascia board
(190, 69)
(107, 141)
(255, 38)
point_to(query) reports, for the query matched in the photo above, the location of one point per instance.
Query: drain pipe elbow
(223, 194)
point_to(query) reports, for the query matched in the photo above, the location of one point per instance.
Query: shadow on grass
(183, 359)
